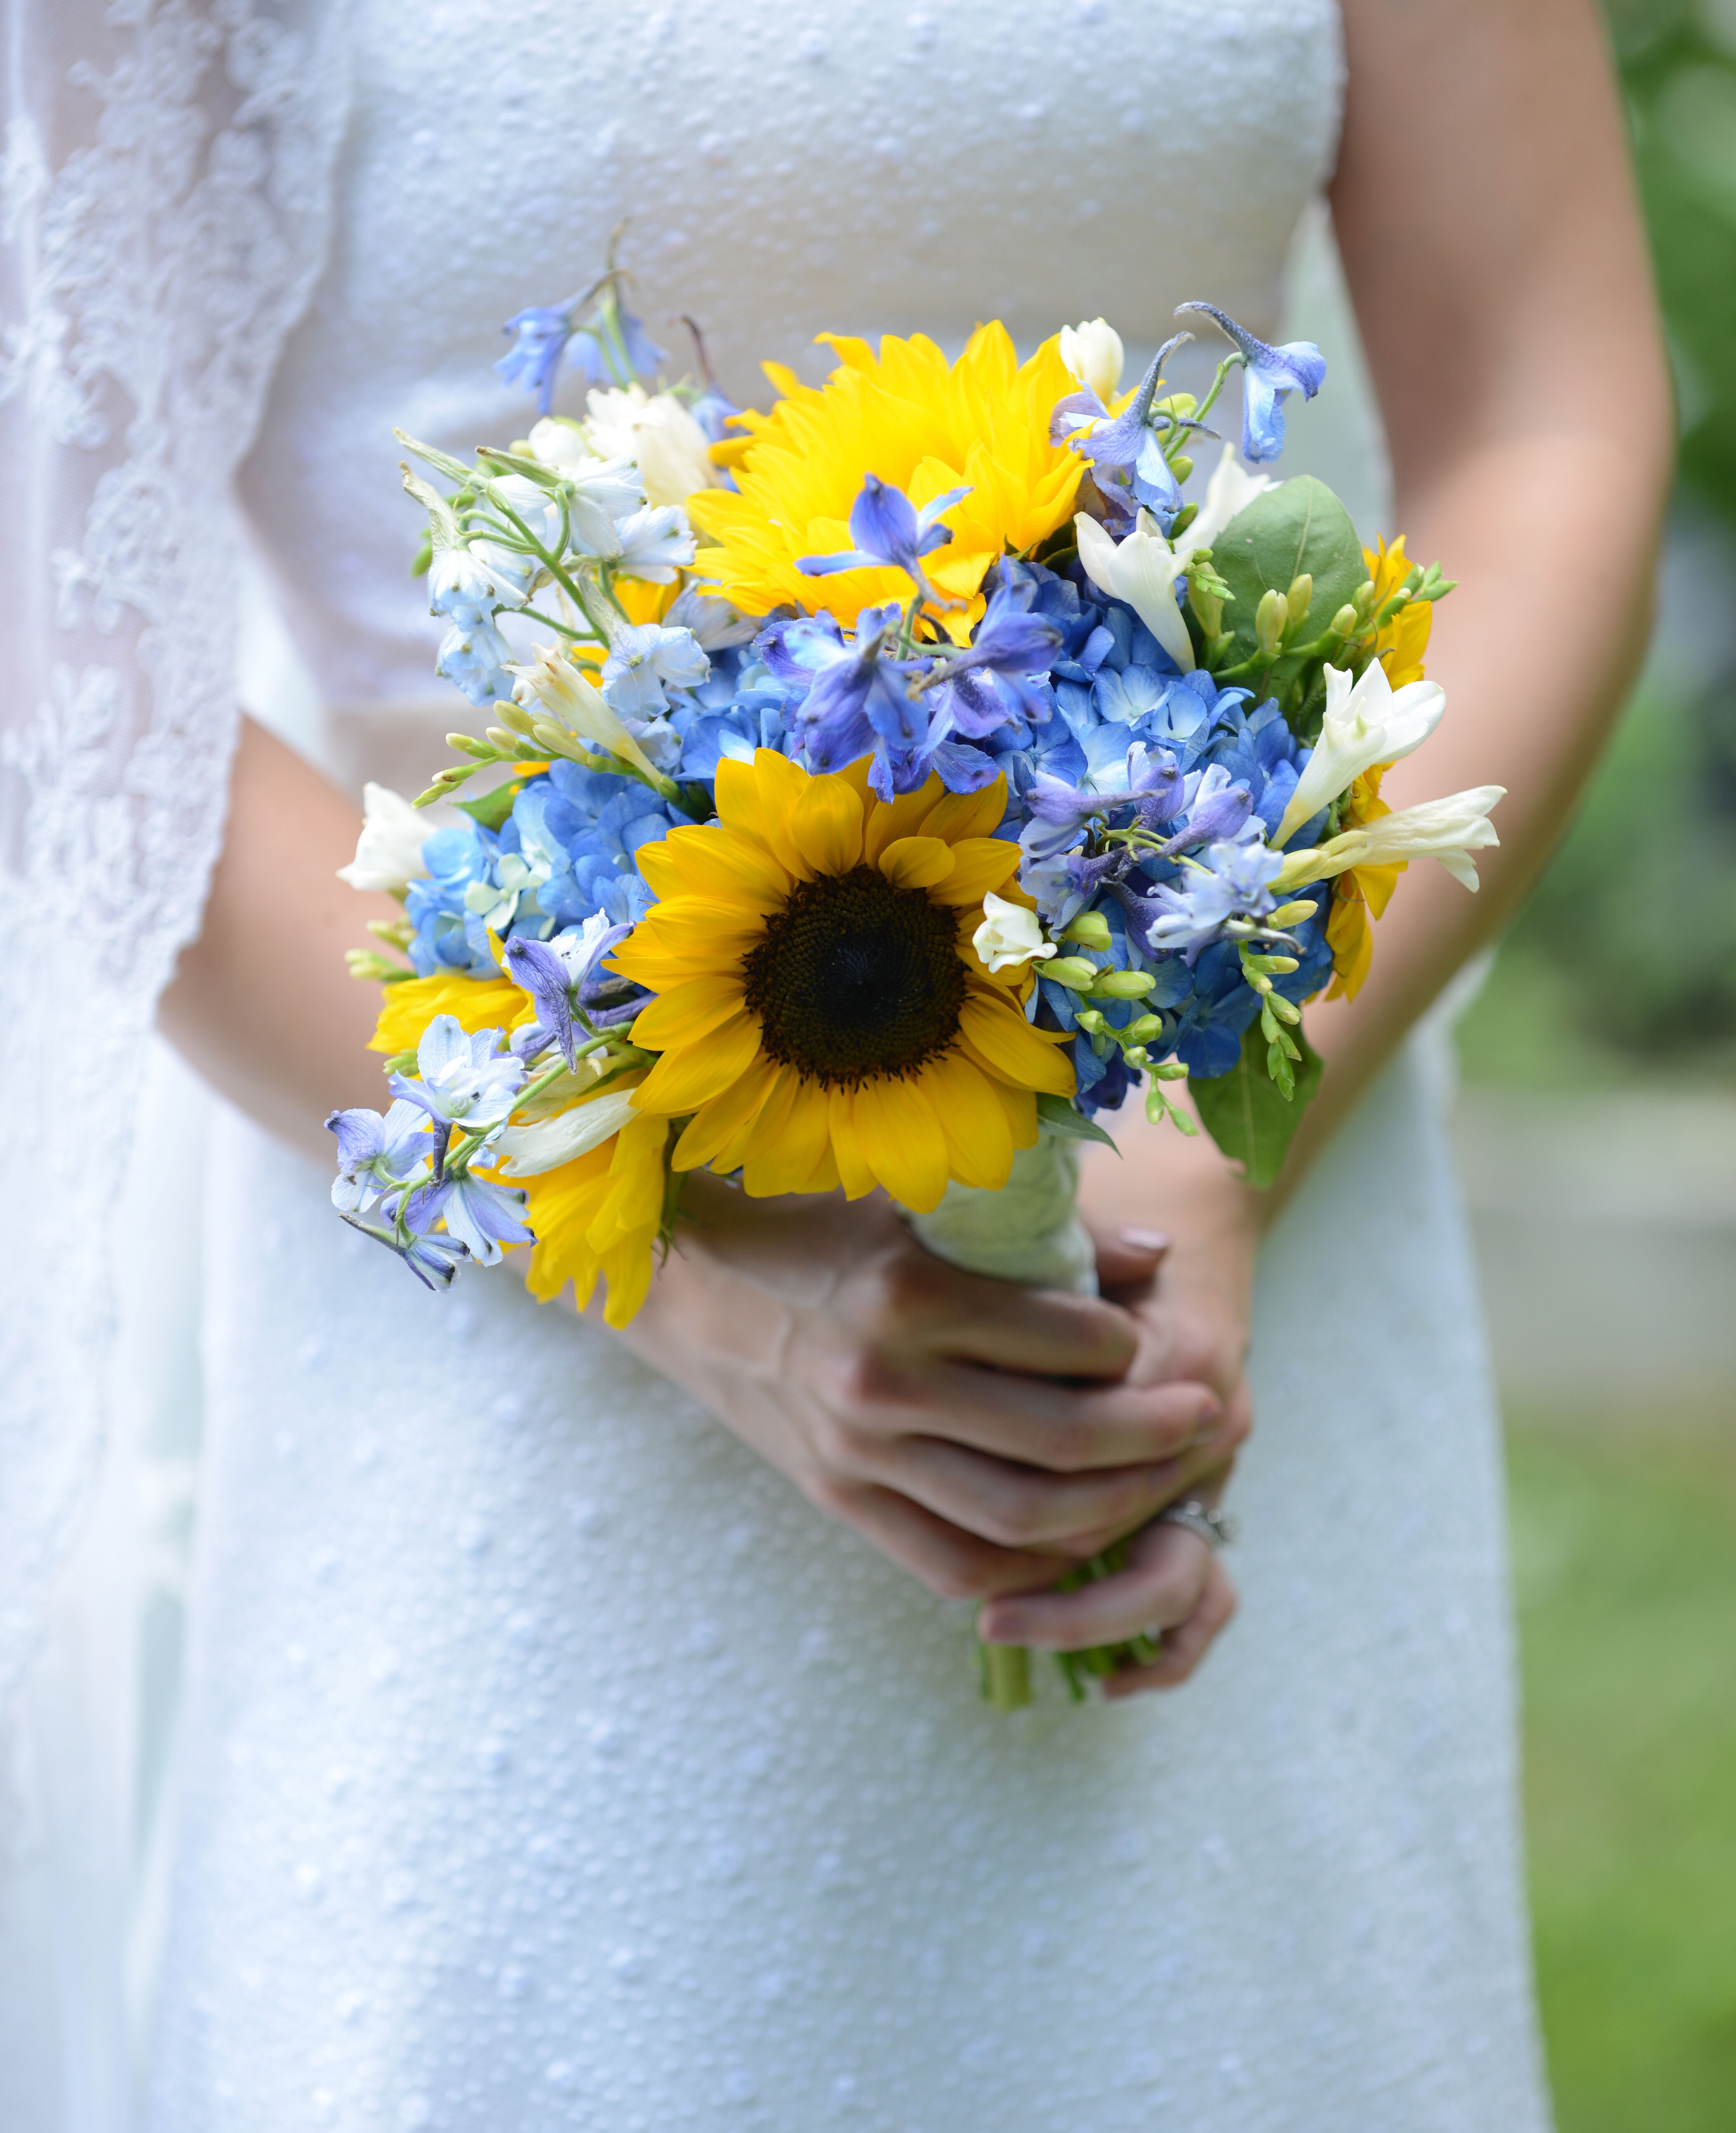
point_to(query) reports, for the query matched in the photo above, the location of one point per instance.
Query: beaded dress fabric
(548, 1762)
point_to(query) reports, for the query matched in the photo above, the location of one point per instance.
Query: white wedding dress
(547, 1762)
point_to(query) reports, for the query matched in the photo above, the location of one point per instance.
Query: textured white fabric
(548, 1762)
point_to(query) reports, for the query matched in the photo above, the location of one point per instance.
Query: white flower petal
(389, 851)
(1008, 935)
(1366, 723)
(1142, 570)
(527, 1151)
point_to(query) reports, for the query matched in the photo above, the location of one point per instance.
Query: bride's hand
(987, 1438)
(1175, 1233)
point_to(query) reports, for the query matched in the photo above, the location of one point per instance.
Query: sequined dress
(548, 1762)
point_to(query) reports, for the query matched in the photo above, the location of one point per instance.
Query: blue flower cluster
(1062, 689)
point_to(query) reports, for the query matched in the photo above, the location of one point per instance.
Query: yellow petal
(918, 862)
(853, 1171)
(719, 1121)
(979, 864)
(979, 1135)
(902, 818)
(655, 863)
(682, 1081)
(824, 1176)
(716, 858)
(959, 814)
(475, 1004)
(826, 824)
(901, 1141)
(628, 1268)
(757, 798)
(784, 1162)
(1013, 1049)
(689, 1011)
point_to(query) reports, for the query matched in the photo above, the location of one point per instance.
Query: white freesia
(551, 684)
(558, 442)
(527, 1151)
(655, 431)
(1231, 490)
(389, 851)
(1142, 570)
(1366, 722)
(1092, 351)
(1008, 935)
(1448, 830)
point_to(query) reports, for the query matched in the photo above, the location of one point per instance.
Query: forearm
(262, 1005)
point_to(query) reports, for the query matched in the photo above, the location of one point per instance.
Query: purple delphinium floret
(888, 530)
(556, 973)
(480, 1215)
(378, 1156)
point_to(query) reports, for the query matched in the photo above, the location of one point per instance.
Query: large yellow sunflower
(822, 1016)
(913, 419)
(1401, 645)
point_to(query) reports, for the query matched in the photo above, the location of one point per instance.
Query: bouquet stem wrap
(1029, 1231)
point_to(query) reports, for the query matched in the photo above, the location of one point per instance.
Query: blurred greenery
(1625, 1554)
(1591, 986)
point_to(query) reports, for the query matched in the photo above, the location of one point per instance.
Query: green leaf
(492, 808)
(1055, 1114)
(1299, 527)
(1245, 1112)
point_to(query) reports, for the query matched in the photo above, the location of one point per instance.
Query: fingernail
(1138, 1240)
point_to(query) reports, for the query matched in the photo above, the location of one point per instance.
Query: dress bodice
(780, 170)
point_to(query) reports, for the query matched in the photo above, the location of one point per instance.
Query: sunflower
(914, 420)
(600, 1215)
(1401, 645)
(822, 1019)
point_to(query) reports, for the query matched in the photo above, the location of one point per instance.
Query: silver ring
(1213, 1527)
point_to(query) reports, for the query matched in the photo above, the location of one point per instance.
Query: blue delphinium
(1269, 374)
(377, 1156)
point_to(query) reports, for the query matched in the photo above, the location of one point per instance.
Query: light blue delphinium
(556, 974)
(654, 543)
(433, 1260)
(462, 1080)
(1124, 451)
(1269, 374)
(473, 657)
(1233, 881)
(481, 1217)
(540, 333)
(378, 1156)
(645, 663)
(467, 584)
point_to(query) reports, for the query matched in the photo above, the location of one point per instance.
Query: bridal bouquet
(884, 785)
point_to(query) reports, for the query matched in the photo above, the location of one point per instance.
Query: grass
(1625, 1553)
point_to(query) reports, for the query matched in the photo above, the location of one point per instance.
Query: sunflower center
(855, 977)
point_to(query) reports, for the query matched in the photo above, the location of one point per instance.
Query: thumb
(1128, 1256)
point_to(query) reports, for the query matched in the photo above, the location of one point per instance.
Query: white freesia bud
(559, 443)
(554, 684)
(527, 1151)
(655, 431)
(1142, 570)
(1448, 830)
(1231, 490)
(1008, 935)
(1092, 351)
(389, 851)
(1366, 723)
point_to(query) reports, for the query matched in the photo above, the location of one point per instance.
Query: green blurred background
(1616, 993)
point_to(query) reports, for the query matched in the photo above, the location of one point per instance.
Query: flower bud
(1091, 929)
(1344, 622)
(1290, 914)
(1074, 971)
(1182, 466)
(1271, 618)
(1123, 984)
(1144, 1030)
(1301, 591)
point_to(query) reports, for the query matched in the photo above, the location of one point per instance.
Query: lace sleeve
(164, 195)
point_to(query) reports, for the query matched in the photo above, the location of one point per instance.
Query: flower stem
(1007, 1676)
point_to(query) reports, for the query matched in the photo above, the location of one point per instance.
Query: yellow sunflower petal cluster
(600, 1215)
(822, 1018)
(915, 420)
(1360, 894)
(1400, 646)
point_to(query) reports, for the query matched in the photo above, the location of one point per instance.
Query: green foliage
(1625, 1548)
(1055, 1114)
(1298, 529)
(492, 808)
(1246, 1112)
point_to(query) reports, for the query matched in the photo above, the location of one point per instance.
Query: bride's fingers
(1160, 1588)
(952, 1563)
(1185, 1646)
(1017, 1506)
(1063, 1428)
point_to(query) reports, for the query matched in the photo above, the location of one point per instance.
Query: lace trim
(163, 213)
